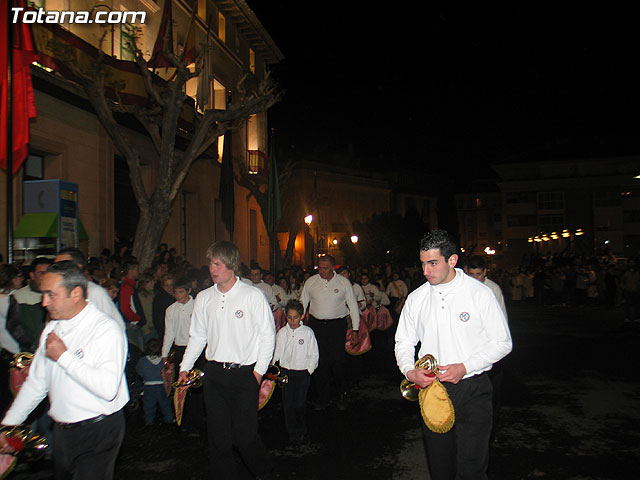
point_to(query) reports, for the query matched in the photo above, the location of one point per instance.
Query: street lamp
(354, 239)
(308, 219)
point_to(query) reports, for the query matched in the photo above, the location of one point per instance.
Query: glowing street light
(308, 219)
(489, 251)
(335, 241)
(354, 239)
(579, 232)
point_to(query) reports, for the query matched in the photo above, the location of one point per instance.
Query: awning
(43, 225)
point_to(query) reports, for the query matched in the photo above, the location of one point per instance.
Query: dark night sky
(453, 90)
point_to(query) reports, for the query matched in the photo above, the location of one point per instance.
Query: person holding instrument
(79, 364)
(458, 321)
(235, 323)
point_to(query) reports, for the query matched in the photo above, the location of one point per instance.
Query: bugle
(410, 390)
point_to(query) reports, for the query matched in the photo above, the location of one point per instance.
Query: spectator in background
(130, 305)
(162, 299)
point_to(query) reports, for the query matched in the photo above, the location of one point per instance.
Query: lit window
(222, 27)
(202, 9)
(252, 61)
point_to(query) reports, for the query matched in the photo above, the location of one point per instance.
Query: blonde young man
(235, 323)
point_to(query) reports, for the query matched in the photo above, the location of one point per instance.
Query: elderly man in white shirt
(458, 320)
(79, 364)
(328, 298)
(235, 323)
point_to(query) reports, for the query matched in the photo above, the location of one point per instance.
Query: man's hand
(183, 377)
(452, 373)
(354, 337)
(55, 346)
(421, 377)
(258, 377)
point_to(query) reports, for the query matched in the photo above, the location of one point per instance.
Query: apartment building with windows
(586, 205)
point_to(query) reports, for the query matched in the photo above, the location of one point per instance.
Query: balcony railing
(258, 163)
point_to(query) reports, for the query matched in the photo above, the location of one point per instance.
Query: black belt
(231, 365)
(327, 320)
(88, 421)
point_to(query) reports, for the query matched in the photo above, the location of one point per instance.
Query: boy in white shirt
(297, 352)
(177, 321)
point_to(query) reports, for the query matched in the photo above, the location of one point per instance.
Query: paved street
(570, 411)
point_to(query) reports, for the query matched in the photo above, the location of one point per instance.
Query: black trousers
(294, 402)
(331, 337)
(463, 452)
(88, 451)
(231, 402)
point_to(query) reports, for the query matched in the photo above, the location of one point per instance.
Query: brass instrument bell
(21, 360)
(410, 390)
(194, 379)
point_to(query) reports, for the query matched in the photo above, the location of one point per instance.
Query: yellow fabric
(436, 408)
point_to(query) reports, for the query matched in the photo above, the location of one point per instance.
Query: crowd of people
(315, 311)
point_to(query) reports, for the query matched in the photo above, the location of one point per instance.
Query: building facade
(69, 143)
(587, 206)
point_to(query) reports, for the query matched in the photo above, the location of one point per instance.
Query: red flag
(23, 101)
(157, 57)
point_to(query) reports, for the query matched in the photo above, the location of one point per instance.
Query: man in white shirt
(458, 321)
(255, 280)
(328, 298)
(476, 267)
(374, 296)
(80, 365)
(235, 323)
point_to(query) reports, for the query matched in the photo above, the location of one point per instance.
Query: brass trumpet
(273, 373)
(21, 360)
(194, 379)
(410, 390)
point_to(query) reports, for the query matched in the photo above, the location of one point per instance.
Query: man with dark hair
(31, 315)
(330, 299)
(458, 321)
(476, 267)
(255, 279)
(79, 364)
(129, 303)
(235, 324)
(95, 293)
(162, 298)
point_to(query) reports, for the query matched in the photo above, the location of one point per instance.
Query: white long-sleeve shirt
(328, 299)
(297, 349)
(236, 326)
(497, 291)
(457, 322)
(87, 380)
(177, 321)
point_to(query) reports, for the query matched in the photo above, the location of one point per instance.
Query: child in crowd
(177, 322)
(154, 395)
(297, 352)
